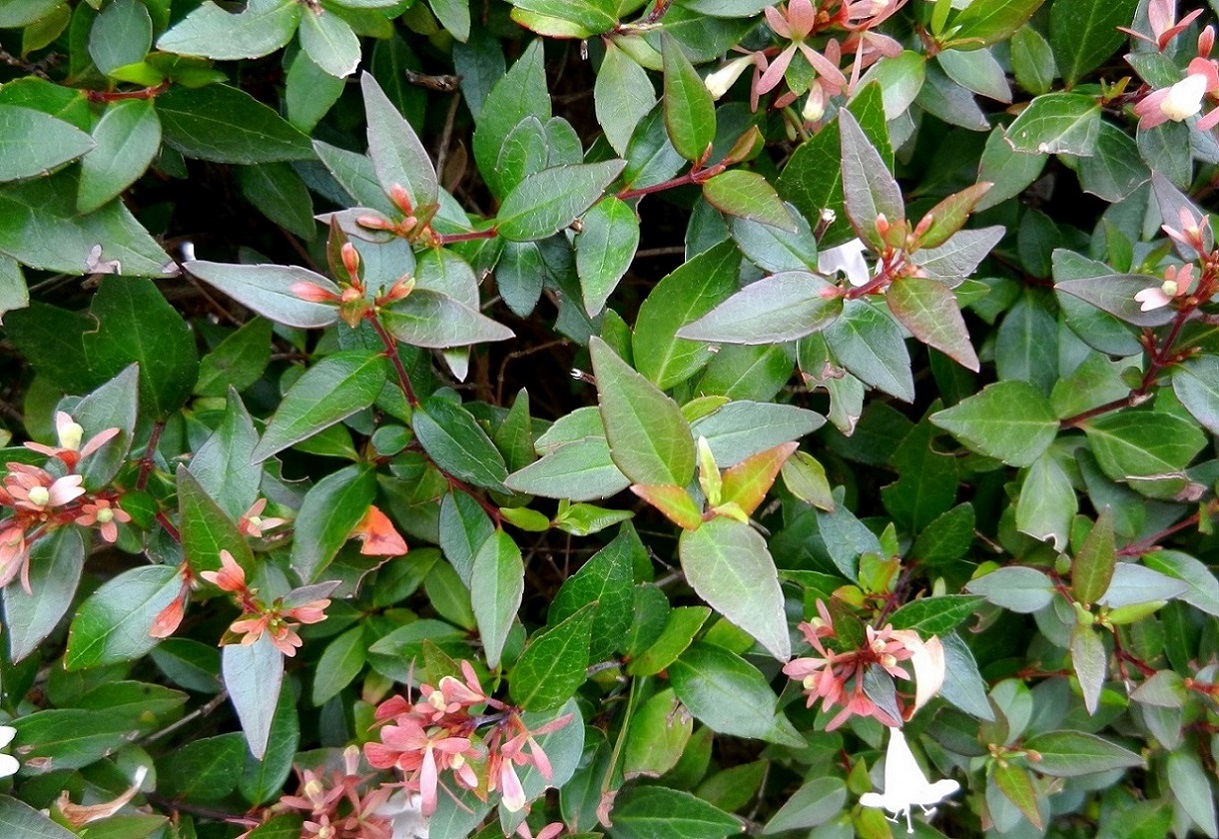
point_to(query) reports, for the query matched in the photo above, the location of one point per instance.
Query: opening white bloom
(905, 784)
(1184, 98)
(1151, 298)
(722, 79)
(405, 810)
(848, 259)
(8, 764)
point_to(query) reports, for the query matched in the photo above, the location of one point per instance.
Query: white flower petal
(8, 765)
(848, 259)
(7, 733)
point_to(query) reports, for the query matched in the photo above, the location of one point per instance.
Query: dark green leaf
(458, 445)
(280, 195)
(252, 675)
(238, 361)
(688, 108)
(328, 514)
(330, 43)
(1010, 421)
(819, 800)
(1092, 567)
(869, 191)
(520, 93)
(261, 28)
(128, 137)
(113, 624)
(750, 196)
(547, 201)
(935, 615)
(870, 345)
(986, 23)
(1085, 32)
(1067, 754)
(55, 563)
(497, 583)
(930, 311)
(397, 154)
(654, 812)
(203, 770)
(341, 662)
(680, 626)
(605, 580)
(551, 667)
(1057, 123)
(34, 143)
(226, 125)
(222, 463)
(206, 529)
(724, 691)
(605, 248)
(331, 391)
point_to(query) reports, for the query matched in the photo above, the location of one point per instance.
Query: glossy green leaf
(979, 25)
(329, 392)
(655, 812)
(1196, 384)
(267, 289)
(205, 769)
(547, 201)
(1067, 754)
(659, 731)
(725, 693)
(1085, 32)
(520, 93)
(1016, 588)
(930, 311)
(684, 295)
(128, 137)
(551, 667)
(605, 248)
(1143, 443)
(590, 17)
(397, 153)
(1092, 567)
(497, 583)
(205, 528)
(680, 626)
(341, 662)
(433, 319)
(252, 676)
(935, 615)
(649, 439)
(1057, 123)
(688, 108)
(330, 43)
(263, 778)
(582, 470)
(458, 445)
(782, 307)
(868, 190)
(211, 32)
(750, 196)
(870, 345)
(606, 581)
(24, 12)
(280, 195)
(112, 624)
(55, 564)
(1010, 421)
(329, 513)
(226, 125)
(622, 96)
(34, 143)
(816, 802)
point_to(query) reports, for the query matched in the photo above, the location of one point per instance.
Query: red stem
(119, 95)
(147, 462)
(450, 238)
(391, 349)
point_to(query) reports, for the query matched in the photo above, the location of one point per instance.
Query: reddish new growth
(351, 295)
(278, 619)
(456, 728)
(45, 499)
(837, 678)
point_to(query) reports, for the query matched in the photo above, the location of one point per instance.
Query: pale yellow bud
(105, 515)
(39, 496)
(70, 435)
(1184, 98)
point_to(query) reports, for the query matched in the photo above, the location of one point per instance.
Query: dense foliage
(657, 420)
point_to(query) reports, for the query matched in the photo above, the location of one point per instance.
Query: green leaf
(454, 15)
(458, 445)
(21, 821)
(1057, 123)
(330, 43)
(40, 227)
(397, 155)
(497, 584)
(748, 195)
(433, 319)
(1196, 384)
(1134, 444)
(742, 428)
(261, 28)
(685, 294)
(1010, 421)
(649, 438)
(24, 12)
(280, 195)
(1192, 788)
(226, 125)
(1008, 170)
(206, 529)
(252, 676)
(680, 626)
(329, 392)
(238, 361)
(588, 17)
(128, 137)
(935, 615)
(657, 735)
(816, 802)
(546, 202)
(605, 248)
(121, 35)
(868, 189)
(341, 662)
(622, 96)
(113, 405)
(726, 693)
(578, 471)
(267, 289)
(551, 667)
(606, 581)
(328, 514)
(55, 563)
(309, 93)
(781, 307)
(463, 529)
(1017, 588)
(655, 812)
(1202, 589)
(869, 344)
(263, 779)
(981, 24)
(1092, 567)
(930, 311)
(727, 564)
(1014, 782)
(1047, 502)
(222, 463)
(203, 770)
(1085, 32)
(520, 93)
(688, 108)
(1068, 754)
(136, 324)
(1089, 661)
(112, 624)
(32, 143)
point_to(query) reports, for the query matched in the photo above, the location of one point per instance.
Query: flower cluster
(341, 804)
(351, 295)
(456, 728)
(278, 619)
(1185, 98)
(1183, 285)
(44, 498)
(828, 21)
(838, 678)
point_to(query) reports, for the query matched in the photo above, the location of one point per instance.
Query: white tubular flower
(404, 809)
(8, 763)
(905, 784)
(848, 259)
(722, 79)
(1184, 98)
